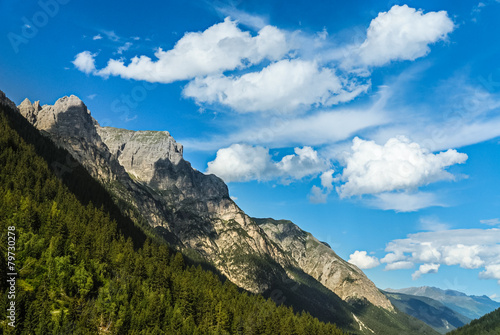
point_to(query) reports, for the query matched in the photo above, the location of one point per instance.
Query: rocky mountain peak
(146, 171)
(139, 151)
(29, 110)
(68, 117)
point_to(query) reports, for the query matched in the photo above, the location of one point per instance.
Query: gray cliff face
(322, 263)
(146, 171)
(69, 124)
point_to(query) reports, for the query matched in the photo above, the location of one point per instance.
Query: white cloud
(327, 179)
(491, 222)
(97, 37)
(362, 260)
(432, 223)
(393, 257)
(124, 48)
(424, 269)
(323, 127)
(317, 195)
(221, 47)
(242, 162)
(400, 265)
(403, 33)
(467, 256)
(251, 20)
(111, 35)
(85, 62)
(404, 201)
(491, 272)
(468, 248)
(283, 86)
(398, 165)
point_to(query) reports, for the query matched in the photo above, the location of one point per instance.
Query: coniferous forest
(488, 324)
(83, 268)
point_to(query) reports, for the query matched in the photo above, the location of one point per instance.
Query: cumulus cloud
(362, 260)
(491, 272)
(97, 37)
(327, 179)
(221, 47)
(283, 86)
(397, 165)
(468, 248)
(242, 162)
(425, 268)
(85, 62)
(403, 33)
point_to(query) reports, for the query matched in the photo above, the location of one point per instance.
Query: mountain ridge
(470, 306)
(206, 223)
(434, 313)
(154, 160)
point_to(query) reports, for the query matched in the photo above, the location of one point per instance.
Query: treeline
(488, 324)
(81, 270)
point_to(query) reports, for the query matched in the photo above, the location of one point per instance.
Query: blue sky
(373, 125)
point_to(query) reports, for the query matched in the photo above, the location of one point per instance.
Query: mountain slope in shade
(84, 268)
(154, 185)
(488, 324)
(430, 311)
(472, 307)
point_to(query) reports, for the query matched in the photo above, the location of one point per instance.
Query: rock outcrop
(322, 263)
(146, 172)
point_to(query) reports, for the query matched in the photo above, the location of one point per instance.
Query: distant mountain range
(430, 311)
(473, 307)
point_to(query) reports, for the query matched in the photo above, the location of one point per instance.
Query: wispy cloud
(491, 222)
(404, 201)
(124, 48)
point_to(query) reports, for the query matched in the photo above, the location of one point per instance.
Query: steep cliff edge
(146, 171)
(322, 263)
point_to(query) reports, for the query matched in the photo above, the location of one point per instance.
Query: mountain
(84, 268)
(430, 311)
(488, 324)
(150, 181)
(472, 306)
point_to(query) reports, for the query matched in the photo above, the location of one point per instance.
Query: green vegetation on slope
(488, 324)
(85, 269)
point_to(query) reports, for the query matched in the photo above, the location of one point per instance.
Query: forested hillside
(486, 325)
(85, 269)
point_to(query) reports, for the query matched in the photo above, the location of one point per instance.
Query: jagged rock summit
(146, 172)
